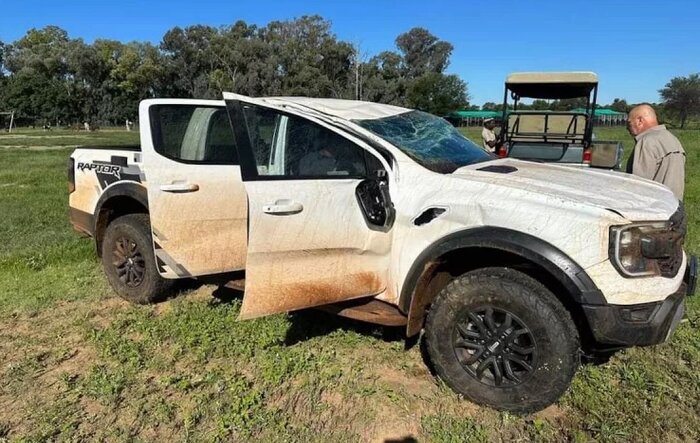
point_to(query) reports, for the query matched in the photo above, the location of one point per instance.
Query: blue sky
(634, 46)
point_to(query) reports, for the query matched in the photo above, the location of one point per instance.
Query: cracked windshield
(427, 139)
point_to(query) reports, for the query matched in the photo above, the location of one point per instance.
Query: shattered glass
(429, 140)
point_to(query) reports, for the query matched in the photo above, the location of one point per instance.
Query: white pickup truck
(389, 215)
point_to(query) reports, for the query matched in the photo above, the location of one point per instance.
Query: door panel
(323, 254)
(200, 232)
(197, 201)
(309, 242)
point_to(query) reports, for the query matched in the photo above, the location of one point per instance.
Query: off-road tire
(530, 306)
(130, 235)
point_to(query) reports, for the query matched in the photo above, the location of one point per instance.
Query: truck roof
(346, 109)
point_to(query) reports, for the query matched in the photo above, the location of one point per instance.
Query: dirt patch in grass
(391, 425)
(422, 386)
(42, 354)
(102, 314)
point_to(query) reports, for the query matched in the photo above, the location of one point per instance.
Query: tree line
(47, 77)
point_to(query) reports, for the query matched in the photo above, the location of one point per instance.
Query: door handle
(283, 207)
(180, 187)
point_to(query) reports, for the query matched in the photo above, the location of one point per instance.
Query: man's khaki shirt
(659, 156)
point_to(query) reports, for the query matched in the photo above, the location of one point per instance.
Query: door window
(193, 134)
(292, 147)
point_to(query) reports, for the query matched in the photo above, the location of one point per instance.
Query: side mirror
(375, 201)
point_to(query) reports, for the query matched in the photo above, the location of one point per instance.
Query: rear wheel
(501, 339)
(129, 263)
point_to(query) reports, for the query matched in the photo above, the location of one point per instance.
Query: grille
(669, 266)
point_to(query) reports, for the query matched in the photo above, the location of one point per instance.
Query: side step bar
(368, 310)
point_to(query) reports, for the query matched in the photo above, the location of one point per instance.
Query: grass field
(77, 363)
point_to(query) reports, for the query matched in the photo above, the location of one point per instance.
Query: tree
(39, 52)
(41, 85)
(307, 59)
(539, 105)
(423, 52)
(2, 75)
(568, 104)
(619, 105)
(188, 60)
(46, 75)
(681, 96)
(243, 61)
(383, 81)
(2, 59)
(415, 76)
(437, 93)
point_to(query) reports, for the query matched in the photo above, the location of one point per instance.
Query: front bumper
(641, 324)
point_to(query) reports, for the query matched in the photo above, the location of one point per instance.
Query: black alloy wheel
(129, 262)
(502, 339)
(495, 346)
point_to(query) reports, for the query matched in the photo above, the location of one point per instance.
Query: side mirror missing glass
(375, 201)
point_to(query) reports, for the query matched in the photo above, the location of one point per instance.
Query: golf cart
(555, 136)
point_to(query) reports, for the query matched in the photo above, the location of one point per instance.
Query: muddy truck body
(511, 269)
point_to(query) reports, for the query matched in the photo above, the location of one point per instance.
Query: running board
(368, 310)
(238, 285)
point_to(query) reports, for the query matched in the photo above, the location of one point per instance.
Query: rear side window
(193, 134)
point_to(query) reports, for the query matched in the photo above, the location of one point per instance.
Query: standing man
(657, 154)
(488, 136)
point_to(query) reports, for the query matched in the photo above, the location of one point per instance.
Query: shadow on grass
(306, 324)
(227, 295)
(310, 323)
(408, 439)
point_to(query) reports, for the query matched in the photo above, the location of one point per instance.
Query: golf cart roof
(552, 85)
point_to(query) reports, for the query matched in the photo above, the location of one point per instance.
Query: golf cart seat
(546, 127)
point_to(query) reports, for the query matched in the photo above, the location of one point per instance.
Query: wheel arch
(487, 246)
(117, 200)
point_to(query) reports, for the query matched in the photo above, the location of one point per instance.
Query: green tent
(604, 116)
(602, 112)
(474, 114)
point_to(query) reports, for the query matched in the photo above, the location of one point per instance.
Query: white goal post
(12, 118)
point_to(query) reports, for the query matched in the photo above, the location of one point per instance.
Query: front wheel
(129, 262)
(501, 339)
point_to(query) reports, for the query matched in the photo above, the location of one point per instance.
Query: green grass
(79, 364)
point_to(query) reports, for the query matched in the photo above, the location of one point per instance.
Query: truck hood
(634, 198)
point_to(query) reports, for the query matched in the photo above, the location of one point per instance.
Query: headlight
(636, 248)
